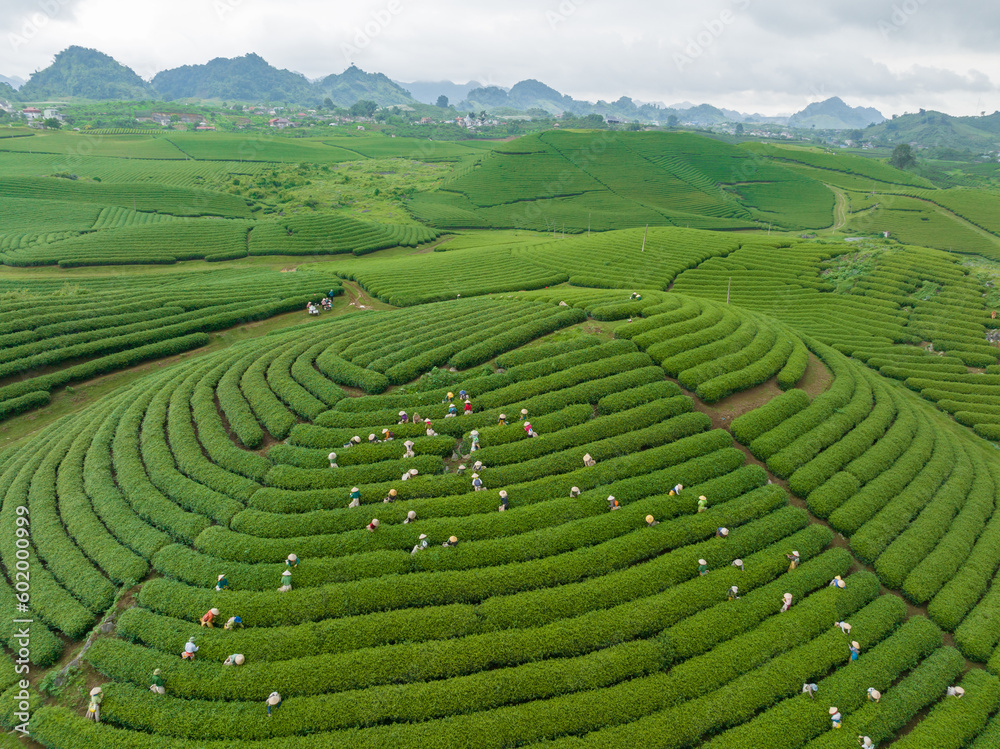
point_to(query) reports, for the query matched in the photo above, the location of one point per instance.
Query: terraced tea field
(101, 195)
(554, 621)
(629, 488)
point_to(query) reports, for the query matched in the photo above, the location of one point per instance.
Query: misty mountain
(247, 78)
(14, 81)
(87, 73)
(429, 91)
(763, 119)
(355, 84)
(533, 94)
(834, 114)
(706, 114)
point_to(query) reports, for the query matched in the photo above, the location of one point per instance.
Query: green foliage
(902, 157)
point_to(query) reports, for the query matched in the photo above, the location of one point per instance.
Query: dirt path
(362, 299)
(840, 209)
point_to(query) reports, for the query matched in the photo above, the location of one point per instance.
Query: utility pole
(729, 290)
(644, 239)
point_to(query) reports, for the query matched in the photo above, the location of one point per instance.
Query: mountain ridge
(88, 73)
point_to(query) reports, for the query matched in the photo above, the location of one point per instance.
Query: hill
(602, 180)
(354, 84)
(938, 131)
(13, 81)
(247, 78)
(85, 73)
(834, 114)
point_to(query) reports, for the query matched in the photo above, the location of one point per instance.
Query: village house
(279, 122)
(31, 113)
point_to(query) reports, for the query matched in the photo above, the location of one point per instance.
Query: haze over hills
(429, 91)
(13, 81)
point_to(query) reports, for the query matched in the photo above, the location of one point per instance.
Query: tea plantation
(659, 487)
(556, 620)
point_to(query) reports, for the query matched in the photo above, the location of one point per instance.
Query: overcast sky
(768, 56)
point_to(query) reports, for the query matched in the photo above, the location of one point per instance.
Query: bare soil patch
(817, 377)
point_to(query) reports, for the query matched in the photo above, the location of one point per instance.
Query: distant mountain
(355, 84)
(834, 114)
(86, 73)
(429, 91)
(763, 119)
(532, 94)
(7, 93)
(535, 94)
(706, 114)
(248, 78)
(14, 81)
(487, 97)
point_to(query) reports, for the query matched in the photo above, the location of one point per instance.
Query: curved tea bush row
(716, 350)
(114, 327)
(794, 721)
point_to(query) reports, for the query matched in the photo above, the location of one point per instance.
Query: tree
(363, 108)
(739, 128)
(328, 103)
(52, 123)
(902, 157)
(592, 122)
(442, 101)
(672, 120)
(855, 136)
